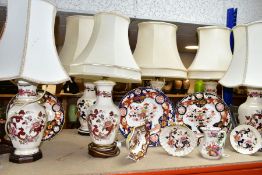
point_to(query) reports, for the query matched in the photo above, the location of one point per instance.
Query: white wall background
(212, 12)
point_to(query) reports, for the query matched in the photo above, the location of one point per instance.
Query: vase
(212, 146)
(103, 122)
(83, 103)
(250, 112)
(26, 121)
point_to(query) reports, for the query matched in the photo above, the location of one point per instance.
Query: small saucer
(245, 139)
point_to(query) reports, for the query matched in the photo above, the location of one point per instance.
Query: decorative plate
(178, 140)
(148, 106)
(54, 111)
(203, 109)
(245, 139)
(137, 142)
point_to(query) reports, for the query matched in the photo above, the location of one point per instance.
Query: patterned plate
(178, 140)
(245, 139)
(54, 111)
(146, 106)
(203, 109)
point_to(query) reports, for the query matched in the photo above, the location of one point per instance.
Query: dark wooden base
(25, 158)
(103, 151)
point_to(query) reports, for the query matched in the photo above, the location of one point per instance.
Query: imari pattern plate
(203, 109)
(146, 106)
(178, 140)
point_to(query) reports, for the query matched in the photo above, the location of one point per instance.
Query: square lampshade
(245, 68)
(156, 51)
(108, 53)
(27, 47)
(78, 32)
(214, 54)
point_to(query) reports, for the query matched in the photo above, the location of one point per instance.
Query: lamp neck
(254, 95)
(104, 92)
(26, 91)
(210, 87)
(89, 91)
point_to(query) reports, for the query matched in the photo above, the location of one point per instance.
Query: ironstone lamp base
(25, 158)
(103, 151)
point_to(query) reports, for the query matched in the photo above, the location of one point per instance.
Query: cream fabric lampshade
(78, 32)
(156, 51)
(27, 48)
(108, 52)
(214, 54)
(245, 68)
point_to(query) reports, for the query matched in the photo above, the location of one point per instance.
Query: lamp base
(83, 132)
(103, 151)
(25, 158)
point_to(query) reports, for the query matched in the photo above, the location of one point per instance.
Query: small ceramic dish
(137, 142)
(178, 140)
(245, 139)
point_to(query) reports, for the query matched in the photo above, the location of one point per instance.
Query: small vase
(83, 103)
(26, 120)
(212, 146)
(103, 122)
(250, 112)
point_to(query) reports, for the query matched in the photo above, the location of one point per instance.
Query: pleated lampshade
(108, 53)
(78, 32)
(27, 47)
(156, 51)
(213, 56)
(245, 68)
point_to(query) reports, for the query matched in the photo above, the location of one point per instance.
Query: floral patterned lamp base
(103, 122)
(250, 112)
(103, 151)
(83, 103)
(25, 124)
(25, 158)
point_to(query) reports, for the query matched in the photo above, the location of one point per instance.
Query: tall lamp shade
(213, 56)
(245, 70)
(28, 54)
(108, 52)
(27, 47)
(107, 56)
(156, 51)
(78, 32)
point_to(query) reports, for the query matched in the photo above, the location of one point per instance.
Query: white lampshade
(108, 52)
(214, 54)
(78, 32)
(245, 68)
(156, 51)
(27, 48)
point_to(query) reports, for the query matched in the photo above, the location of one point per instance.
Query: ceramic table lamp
(106, 58)
(245, 70)
(78, 32)
(28, 55)
(213, 56)
(156, 52)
